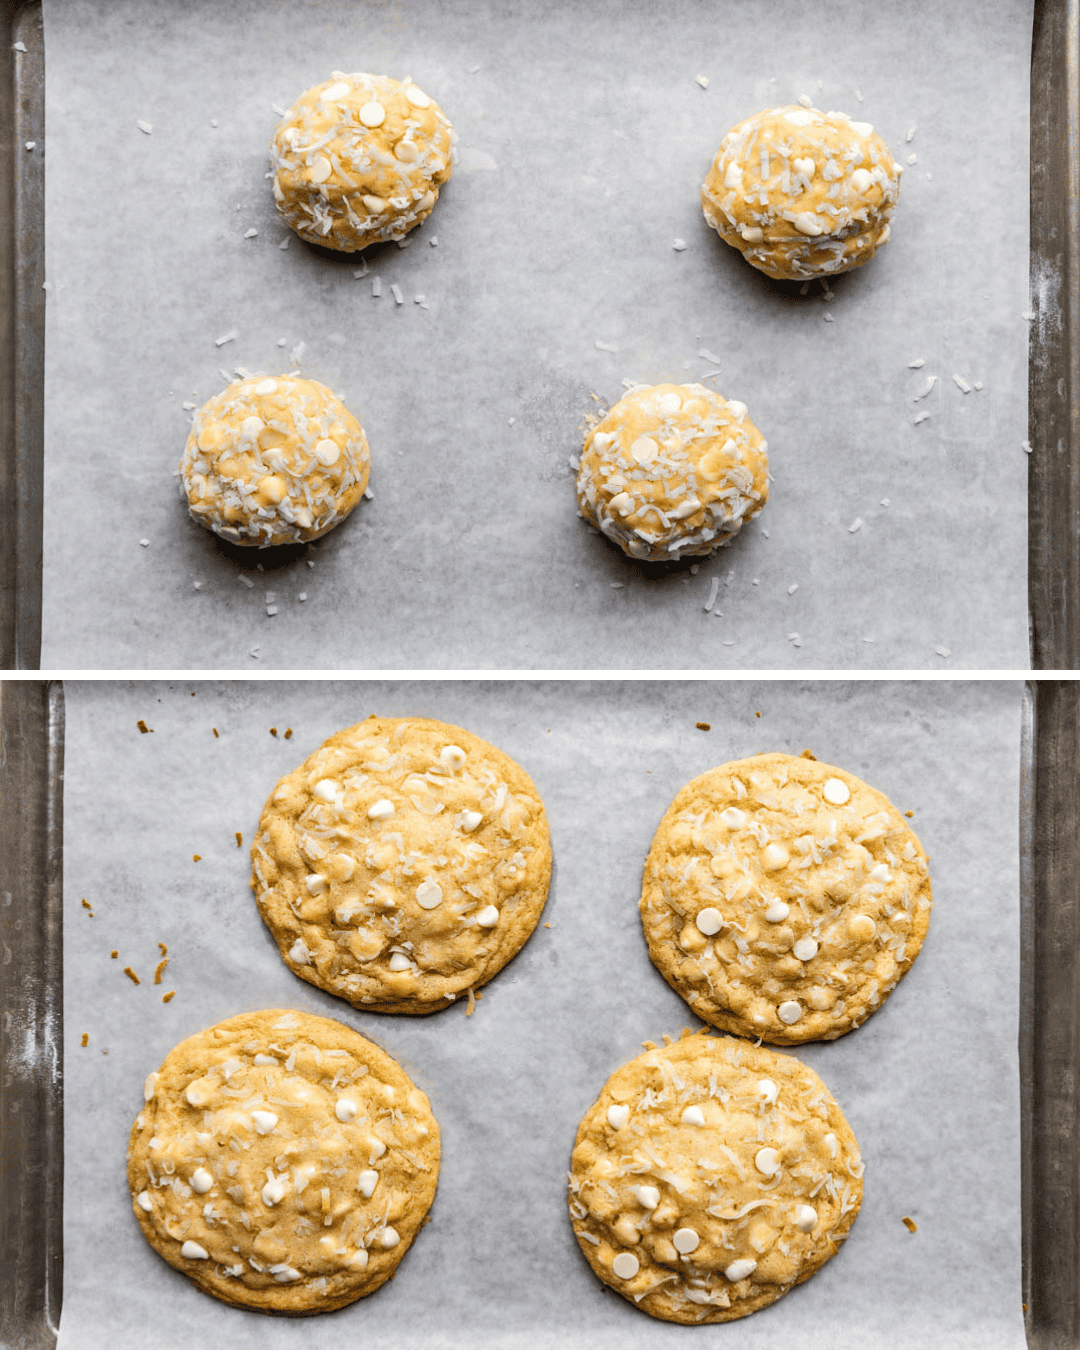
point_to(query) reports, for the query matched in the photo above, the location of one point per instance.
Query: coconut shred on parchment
(567, 256)
(929, 1084)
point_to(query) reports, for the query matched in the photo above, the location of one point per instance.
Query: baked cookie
(802, 193)
(360, 159)
(404, 863)
(283, 1162)
(671, 470)
(273, 461)
(784, 899)
(710, 1176)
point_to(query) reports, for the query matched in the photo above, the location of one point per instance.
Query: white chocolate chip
(373, 114)
(149, 1087)
(622, 503)
(299, 953)
(381, 810)
(618, 1116)
(345, 1109)
(316, 883)
(685, 1240)
(417, 97)
(808, 222)
(835, 791)
(709, 921)
(670, 404)
(774, 856)
(881, 872)
(799, 117)
(273, 1192)
(768, 1090)
(738, 1270)
(806, 167)
(626, 1265)
(337, 90)
(429, 894)
(805, 1218)
(693, 1115)
(470, 820)
(359, 1259)
(732, 817)
(325, 789)
(201, 1180)
(453, 757)
(199, 1092)
(284, 1274)
(327, 452)
(488, 917)
(644, 450)
(376, 1149)
(805, 948)
(389, 1237)
(399, 962)
(264, 1121)
(753, 234)
(374, 204)
(407, 152)
(862, 128)
(646, 1196)
(194, 1252)
(862, 927)
(777, 911)
(789, 1012)
(861, 180)
(767, 1161)
(320, 170)
(265, 387)
(367, 1181)
(736, 409)
(251, 426)
(143, 1201)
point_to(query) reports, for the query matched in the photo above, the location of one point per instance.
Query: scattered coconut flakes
(703, 80)
(362, 270)
(213, 121)
(794, 639)
(605, 346)
(146, 127)
(574, 462)
(978, 385)
(403, 243)
(281, 342)
(806, 100)
(911, 135)
(943, 651)
(709, 356)
(30, 144)
(1026, 446)
(420, 300)
(858, 94)
(920, 417)
(245, 581)
(856, 524)
(280, 111)
(828, 318)
(231, 336)
(271, 596)
(226, 375)
(376, 286)
(302, 596)
(474, 69)
(884, 501)
(242, 372)
(793, 588)
(198, 585)
(189, 406)
(434, 241)
(756, 581)
(869, 639)
(18, 47)
(714, 586)
(695, 569)
(764, 532)
(510, 421)
(961, 384)
(395, 291)
(913, 159)
(369, 496)
(271, 610)
(254, 653)
(144, 543)
(250, 234)
(678, 245)
(284, 243)
(931, 380)
(728, 642)
(297, 353)
(917, 364)
(616, 585)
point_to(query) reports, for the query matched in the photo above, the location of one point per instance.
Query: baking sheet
(929, 1084)
(584, 137)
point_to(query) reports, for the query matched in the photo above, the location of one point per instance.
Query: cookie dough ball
(784, 898)
(402, 865)
(282, 1162)
(274, 461)
(359, 160)
(802, 193)
(710, 1177)
(672, 469)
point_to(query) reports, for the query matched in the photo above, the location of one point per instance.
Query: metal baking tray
(32, 1032)
(1054, 353)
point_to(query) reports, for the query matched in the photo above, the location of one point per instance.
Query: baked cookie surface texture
(359, 159)
(273, 461)
(710, 1176)
(283, 1162)
(402, 865)
(671, 470)
(784, 898)
(802, 193)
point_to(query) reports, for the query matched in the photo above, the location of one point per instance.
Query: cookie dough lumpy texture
(802, 193)
(360, 159)
(402, 865)
(283, 1162)
(710, 1177)
(671, 470)
(274, 461)
(784, 898)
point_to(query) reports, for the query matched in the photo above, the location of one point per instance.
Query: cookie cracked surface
(283, 1162)
(403, 864)
(802, 193)
(360, 159)
(784, 898)
(710, 1177)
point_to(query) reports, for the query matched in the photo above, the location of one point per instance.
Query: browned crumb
(288, 733)
(215, 731)
(104, 1052)
(909, 814)
(131, 975)
(910, 1224)
(143, 727)
(471, 1006)
(166, 997)
(85, 1038)
(159, 970)
(196, 857)
(757, 714)
(548, 925)
(114, 955)
(273, 731)
(86, 904)
(239, 839)
(808, 754)
(703, 726)
(163, 949)
(648, 1045)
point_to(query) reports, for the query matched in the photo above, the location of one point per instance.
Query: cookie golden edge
(666, 955)
(184, 1063)
(285, 928)
(725, 1287)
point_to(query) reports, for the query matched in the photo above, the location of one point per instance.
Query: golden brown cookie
(710, 1176)
(802, 193)
(283, 1162)
(403, 864)
(274, 461)
(671, 470)
(784, 898)
(359, 159)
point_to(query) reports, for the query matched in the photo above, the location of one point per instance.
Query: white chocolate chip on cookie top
(403, 864)
(273, 461)
(712, 1198)
(360, 159)
(784, 899)
(672, 470)
(802, 193)
(247, 1174)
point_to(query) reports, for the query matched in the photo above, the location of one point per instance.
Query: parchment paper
(556, 275)
(929, 1083)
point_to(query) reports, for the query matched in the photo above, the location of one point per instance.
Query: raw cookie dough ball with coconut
(274, 461)
(359, 159)
(671, 470)
(802, 193)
